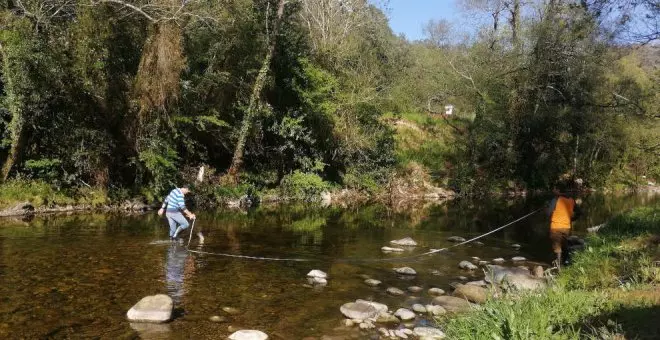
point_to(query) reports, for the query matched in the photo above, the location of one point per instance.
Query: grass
(42, 194)
(611, 291)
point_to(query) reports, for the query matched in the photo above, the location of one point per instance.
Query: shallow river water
(76, 276)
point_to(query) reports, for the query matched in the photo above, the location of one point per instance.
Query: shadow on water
(77, 275)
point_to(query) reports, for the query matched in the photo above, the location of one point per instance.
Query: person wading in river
(562, 210)
(174, 206)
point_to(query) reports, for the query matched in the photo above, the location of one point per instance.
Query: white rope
(431, 252)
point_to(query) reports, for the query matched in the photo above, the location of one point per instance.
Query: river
(75, 276)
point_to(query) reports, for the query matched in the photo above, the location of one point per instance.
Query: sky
(408, 16)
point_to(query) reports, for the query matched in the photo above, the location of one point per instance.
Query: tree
(255, 97)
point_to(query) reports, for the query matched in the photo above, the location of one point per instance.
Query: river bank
(611, 291)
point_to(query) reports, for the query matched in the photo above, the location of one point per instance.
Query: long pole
(191, 232)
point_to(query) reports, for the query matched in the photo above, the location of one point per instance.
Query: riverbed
(75, 276)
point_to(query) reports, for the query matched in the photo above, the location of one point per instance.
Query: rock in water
(471, 293)
(317, 281)
(435, 310)
(419, 308)
(361, 311)
(515, 278)
(394, 291)
(217, 318)
(372, 282)
(405, 271)
(401, 334)
(452, 304)
(387, 318)
(381, 308)
(518, 259)
(409, 242)
(415, 289)
(154, 308)
(231, 310)
(404, 314)
(456, 239)
(538, 271)
(516, 245)
(391, 250)
(317, 273)
(499, 260)
(248, 335)
(467, 265)
(436, 291)
(428, 333)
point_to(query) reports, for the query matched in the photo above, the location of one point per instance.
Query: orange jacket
(562, 213)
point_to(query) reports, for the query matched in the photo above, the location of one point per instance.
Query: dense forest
(131, 97)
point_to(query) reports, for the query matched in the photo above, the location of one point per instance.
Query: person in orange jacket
(563, 210)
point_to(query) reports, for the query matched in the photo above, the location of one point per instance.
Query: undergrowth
(604, 294)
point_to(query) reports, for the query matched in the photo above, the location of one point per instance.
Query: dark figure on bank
(563, 210)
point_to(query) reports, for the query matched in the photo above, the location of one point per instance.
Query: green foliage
(554, 314)
(575, 308)
(621, 253)
(305, 186)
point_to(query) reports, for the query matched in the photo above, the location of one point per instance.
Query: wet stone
(419, 308)
(231, 310)
(395, 291)
(217, 318)
(456, 239)
(372, 282)
(467, 265)
(391, 250)
(436, 291)
(428, 333)
(499, 260)
(404, 314)
(248, 335)
(405, 271)
(518, 259)
(361, 310)
(317, 273)
(415, 289)
(435, 310)
(154, 308)
(409, 242)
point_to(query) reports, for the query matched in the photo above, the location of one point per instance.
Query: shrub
(302, 185)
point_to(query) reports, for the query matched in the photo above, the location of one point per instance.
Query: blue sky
(408, 16)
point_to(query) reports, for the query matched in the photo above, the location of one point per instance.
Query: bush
(38, 193)
(302, 185)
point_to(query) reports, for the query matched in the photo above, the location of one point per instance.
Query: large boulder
(359, 310)
(248, 334)
(472, 293)
(381, 308)
(408, 242)
(514, 278)
(154, 308)
(452, 303)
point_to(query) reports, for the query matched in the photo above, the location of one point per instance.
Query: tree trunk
(259, 83)
(17, 124)
(515, 22)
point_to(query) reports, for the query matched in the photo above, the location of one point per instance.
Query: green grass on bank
(42, 194)
(610, 292)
